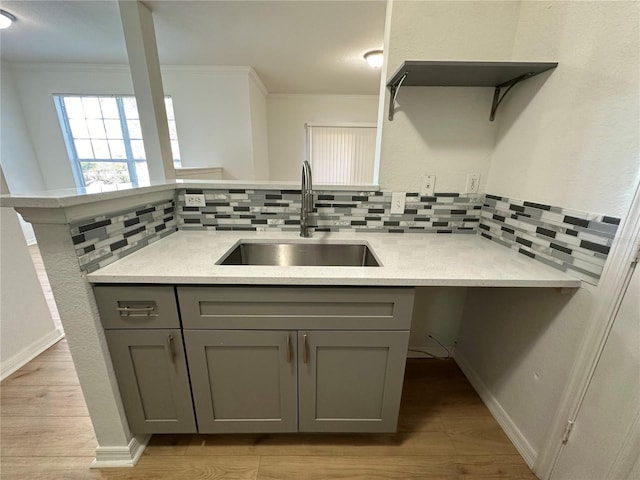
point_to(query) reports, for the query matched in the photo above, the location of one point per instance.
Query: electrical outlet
(194, 200)
(429, 184)
(397, 203)
(473, 182)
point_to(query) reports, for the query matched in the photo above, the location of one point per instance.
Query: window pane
(96, 129)
(83, 148)
(168, 105)
(137, 147)
(91, 107)
(114, 129)
(175, 149)
(173, 133)
(117, 149)
(73, 106)
(109, 107)
(142, 171)
(105, 173)
(79, 128)
(130, 107)
(134, 129)
(101, 148)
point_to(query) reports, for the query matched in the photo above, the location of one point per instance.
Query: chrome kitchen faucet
(306, 198)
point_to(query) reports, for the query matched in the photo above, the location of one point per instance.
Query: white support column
(142, 50)
(117, 447)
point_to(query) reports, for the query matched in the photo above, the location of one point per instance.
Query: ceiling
(297, 46)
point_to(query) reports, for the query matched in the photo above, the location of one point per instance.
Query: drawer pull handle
(172, 350)
(289, 355)
(148, 311)
(305, 349)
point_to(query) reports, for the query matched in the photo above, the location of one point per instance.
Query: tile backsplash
(362, 211)
(102, 240)
(568, 240)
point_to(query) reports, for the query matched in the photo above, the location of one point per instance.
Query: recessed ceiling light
(6, 19)
(374, 58)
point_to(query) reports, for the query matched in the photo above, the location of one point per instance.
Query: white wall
(211, 105)
(259, 130)
(288, 114)
(26, 326)
(443, 131)
(570, 138)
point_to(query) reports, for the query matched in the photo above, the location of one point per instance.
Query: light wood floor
(445, 432)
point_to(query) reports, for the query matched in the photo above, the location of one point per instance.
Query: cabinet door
(152, 375)
(243, 381)
(350, 381)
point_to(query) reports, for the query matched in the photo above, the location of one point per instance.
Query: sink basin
(300, 254)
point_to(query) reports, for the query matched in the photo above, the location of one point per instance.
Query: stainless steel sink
(300, 254)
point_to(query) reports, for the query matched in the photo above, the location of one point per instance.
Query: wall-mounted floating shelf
(464, 74)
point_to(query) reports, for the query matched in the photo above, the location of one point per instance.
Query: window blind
(342, 155)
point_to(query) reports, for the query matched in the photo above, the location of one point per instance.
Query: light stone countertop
(189, 257)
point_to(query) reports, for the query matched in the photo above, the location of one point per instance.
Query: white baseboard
(30, 352)
(117, 457)
(525, 449)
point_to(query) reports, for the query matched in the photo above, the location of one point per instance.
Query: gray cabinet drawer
(318, 308)
(137, 306)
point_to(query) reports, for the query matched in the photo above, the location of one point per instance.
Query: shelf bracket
(497, 98)
(394, 89)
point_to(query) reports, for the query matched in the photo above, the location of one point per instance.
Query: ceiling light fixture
(374, 58)
(6, 19)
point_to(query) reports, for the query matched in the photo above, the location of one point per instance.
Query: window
(342, 154)
(104, 140)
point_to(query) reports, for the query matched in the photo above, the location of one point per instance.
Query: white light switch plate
(194, 200)
(397, 203)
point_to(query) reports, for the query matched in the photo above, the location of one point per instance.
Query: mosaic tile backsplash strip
(259, 210)
(575, 242)
(102, 240)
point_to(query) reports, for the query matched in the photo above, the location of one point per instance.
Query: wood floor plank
(44, 373)
(168, 444)
(42, 401)
(356, 468)
(493, 466)
(160, 468)
(47, 437)
(478, 436)
(56, 353)
(48, 468)
(419, 443)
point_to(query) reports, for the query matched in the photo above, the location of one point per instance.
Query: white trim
(30, 352)
(342, 124)
(519, 441)
(253, 75)
(615, 278)
(117, 457)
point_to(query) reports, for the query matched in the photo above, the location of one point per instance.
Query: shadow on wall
(505, 330)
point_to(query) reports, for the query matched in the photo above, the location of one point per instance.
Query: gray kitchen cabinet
(350, 381)
(152, 376)
(143, 332)
(350, 345)
(244, 381)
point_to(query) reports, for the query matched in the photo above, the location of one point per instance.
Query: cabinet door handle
(147, 311)
(305, 349)
(289, 355)
(172, 350)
